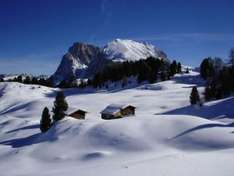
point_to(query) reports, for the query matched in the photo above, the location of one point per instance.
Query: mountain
(84, 60)
(129, 50)
(76, 61)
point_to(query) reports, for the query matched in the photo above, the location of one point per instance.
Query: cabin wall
(78, 116)
(128, 111)
(111, 116)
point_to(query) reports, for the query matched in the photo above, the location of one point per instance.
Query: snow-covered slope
(130, 50)
(166, 136)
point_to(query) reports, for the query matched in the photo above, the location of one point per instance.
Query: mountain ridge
(84, 60)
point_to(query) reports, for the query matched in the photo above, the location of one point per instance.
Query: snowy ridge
(129, 50)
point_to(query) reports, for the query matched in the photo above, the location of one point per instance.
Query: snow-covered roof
(114, 108)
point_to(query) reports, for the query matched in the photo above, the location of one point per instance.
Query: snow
(167, 136)
(129, 50)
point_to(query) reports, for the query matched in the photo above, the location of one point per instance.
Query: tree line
(219, 78)
(150, 69)
(30, 80)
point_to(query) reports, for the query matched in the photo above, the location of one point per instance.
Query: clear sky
(34, 34)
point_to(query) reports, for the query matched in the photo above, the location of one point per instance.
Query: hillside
(166, 136)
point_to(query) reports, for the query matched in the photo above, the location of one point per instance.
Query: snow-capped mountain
(84, 60)
(129, 50)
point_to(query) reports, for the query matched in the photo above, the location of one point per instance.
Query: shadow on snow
(218, 110)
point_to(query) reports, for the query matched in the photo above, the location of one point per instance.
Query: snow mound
(165, 131)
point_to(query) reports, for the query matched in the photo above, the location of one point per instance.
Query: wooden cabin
(115, 111)
(79, 114)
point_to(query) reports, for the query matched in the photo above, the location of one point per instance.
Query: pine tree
(60, 106)
(124, 82)
(173, 68)
(20, 79)
(34, 80)
(231, 57)
(45, 123)
(27, 80)
(209, 93)
(163, 76)
(179, 67)
(207, 68)
(194, 96)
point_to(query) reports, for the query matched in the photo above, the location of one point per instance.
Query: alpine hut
(115, 111)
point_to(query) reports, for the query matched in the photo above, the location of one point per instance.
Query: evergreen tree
(27, 80)
(140, 78)
(218, 65)
(19, 79)
(231, 57)
(173, 68)
(209, 93)
(45, 123)
(179, 67)
(163, 76)
(194, 96)
(63, 84)
(207, 68)
(152, 77)
(34, 80)
(82, 84)
(60, 106)
(124, 82)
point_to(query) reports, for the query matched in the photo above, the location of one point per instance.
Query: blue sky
(34, 34)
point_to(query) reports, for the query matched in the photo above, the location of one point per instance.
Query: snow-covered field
(166, 137)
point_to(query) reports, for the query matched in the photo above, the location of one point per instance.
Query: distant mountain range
(84, 60)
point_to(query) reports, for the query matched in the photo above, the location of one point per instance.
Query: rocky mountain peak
(84, 60)
(84, 53)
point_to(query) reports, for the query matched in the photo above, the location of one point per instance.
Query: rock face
(84, 60)
(84, 53)
(76, 61)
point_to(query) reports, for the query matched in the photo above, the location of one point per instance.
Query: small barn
(79, 114)
(115, 111)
